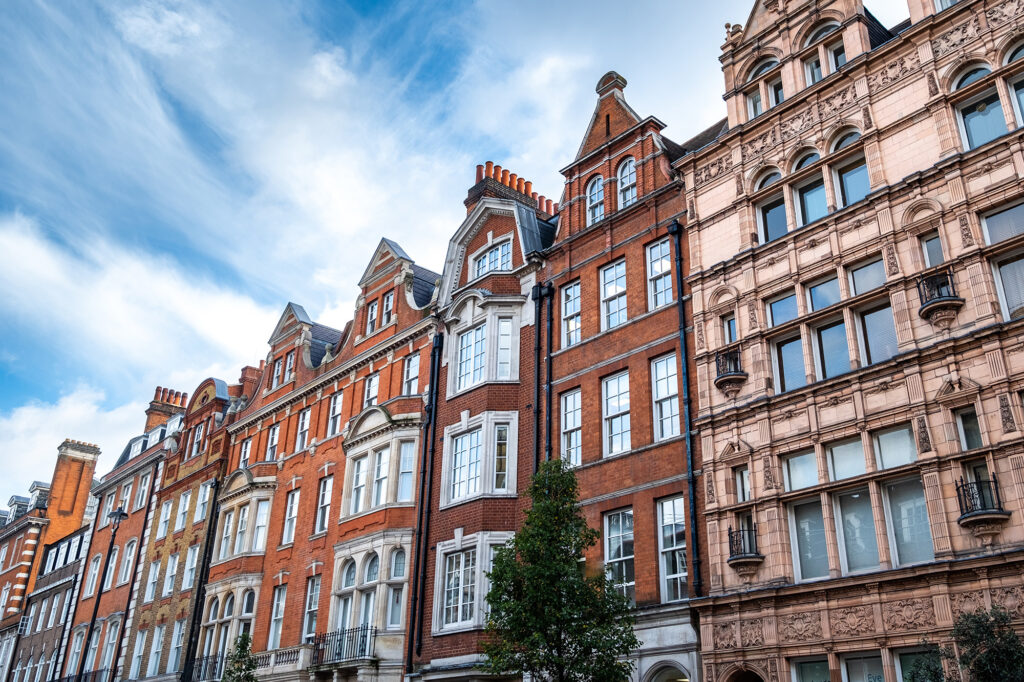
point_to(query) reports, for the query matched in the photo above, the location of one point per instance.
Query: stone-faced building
(180, 527)
(317, 510)
(128, 488)
(855, 235)
(53, 511)
(43, 633)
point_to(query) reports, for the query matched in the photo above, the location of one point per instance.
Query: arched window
(627, 183)
(768, 179)
(94, 574)
(349, 575)
(845, 140)
(214, 609)
(108, 579)
(126, 562)
(806, 160)
(372, 569)
(595, 200)
(248, 602)
(1016, 53)
(398, 563)
(971, 76)
(229, 606)
(820, 32)
(762, 67)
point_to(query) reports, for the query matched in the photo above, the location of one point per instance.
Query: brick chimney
(494, 181)
(165, 404)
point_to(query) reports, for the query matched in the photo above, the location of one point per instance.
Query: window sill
(490, 382)
(456, 629)
(317, 535)
(448, 504)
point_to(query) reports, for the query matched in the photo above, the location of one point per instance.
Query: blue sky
(173, 172)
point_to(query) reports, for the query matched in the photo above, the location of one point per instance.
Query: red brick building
(128, 488)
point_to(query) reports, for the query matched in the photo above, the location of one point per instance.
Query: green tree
(241, 664)
(548, 617)
(987, 648)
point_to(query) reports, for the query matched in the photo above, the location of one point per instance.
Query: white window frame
(142, 492)
(480, 352)
(663, 550)
(381, 473)
(482, 543)
(152, 580)
(406, 468)
(595, 200)
(188, 578)
(197, 439)
(607, 419)
(335, 405)
(302, 430)
(325, 489)
(484, 264)
(156, 650)
(571, 426)
(627, 587)
(358, 500)
(667, 400)
(277, 606)
(291, 516)
(840, 539)
(609, 275)
(371, 389)
(654, 279)
(226, 533)
(183, 504)
(273, 436)
(890, 530)
(572, 319)
(371, 317)
(169, 575)
(203, 503)
(245, 453)
(387, 309)
(261, 526)
(411, 374)
(165, 520)
(626, 182)
(127, 561)
(486, 423)
(276, 376)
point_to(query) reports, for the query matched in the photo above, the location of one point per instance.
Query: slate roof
(705, 137)
(537, 234)
(399, 251)
(323, 337)
(423, 283)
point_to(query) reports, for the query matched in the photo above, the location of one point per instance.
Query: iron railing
(727, 363)
(87, 676)
(937, 286)
(208, 668)
(344, 645)
(978, 496)
(743, 542)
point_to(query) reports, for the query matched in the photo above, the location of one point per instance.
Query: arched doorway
(745, 676)
(671, 674)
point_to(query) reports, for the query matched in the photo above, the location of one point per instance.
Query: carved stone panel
(799, 627)
(852, 621)
(724, 636)
(1006, 414)
(955, 37)
(908, 614)
(712, 170)
(894, 71)
(752, 633)
(1010, 598)
(1004, 12)
(967, 602)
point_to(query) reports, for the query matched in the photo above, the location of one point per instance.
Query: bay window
(479, 457)
(225, 534)
(259, 531)
(472, 347)
(465, 478)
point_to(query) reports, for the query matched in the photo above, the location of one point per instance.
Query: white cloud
(32, 432)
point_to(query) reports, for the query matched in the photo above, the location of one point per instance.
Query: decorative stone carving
(893, 71)
(1004, 12)
(709, 671)
(761, 143)
(770, 481)
(710, 486)
(908, 614)
(752, 314)
(955, 37)
(855, 620)
(698, 333)
(966, 238)
(865, 113)
(1010, 598)
(1006, 415)
(739, 184)
(832, 105)
(799, 627)
(712, 170)
(933, 86)
(967, 602)
(924, 441)
(752, 633)
(795, 125)
(891, 264)
(724, 636)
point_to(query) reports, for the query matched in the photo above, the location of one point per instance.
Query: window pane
(1005, 224)
(729, 328)
(983, 121)
(1019, 90)
(847, 459)
(932, 247)
(970, 430)
(790, 357)
(895, 447)
(1011, 275)
(810, 540)
(839, 56)
(813, 671)
(867, 277)
(858, 525)
(853, 182)
(812, 202)
(824, 294)
(910, 522)
(783, 309)
(777, 94)
(879, 335)
(773, 219)
(801, 471)
(864, 669)
(835, 353)
(754, 102)
(813, 71)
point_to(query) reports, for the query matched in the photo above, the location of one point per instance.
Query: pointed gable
(612, 115)
(293, 319)
(384, 259)
(764, 15)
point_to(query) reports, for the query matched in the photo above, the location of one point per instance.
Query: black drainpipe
(537, 295)
(424, 549)
(426, 486)
(548, 292)
(676, 230)
(202, 576)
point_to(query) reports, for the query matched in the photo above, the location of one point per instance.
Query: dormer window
(371, 318)
(387, 309)
(595, 200)
(496, 258)
(276, 376)
(627, 183)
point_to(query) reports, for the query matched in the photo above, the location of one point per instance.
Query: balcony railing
(979, 497)
(939, 301)
(342, 646)
(743, 543)
(208, 668)
(729, 374)
(100, 675)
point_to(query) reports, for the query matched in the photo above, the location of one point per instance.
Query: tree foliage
(548, 617)
(241, 664)
(987, 648)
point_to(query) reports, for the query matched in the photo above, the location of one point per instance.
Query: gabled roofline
(580, 159)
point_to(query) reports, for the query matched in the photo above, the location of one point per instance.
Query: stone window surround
(482, 542)
(1001, 81)
(366, 445)
(232, 503)
(475, 311)
(383, 545)
(486, 423)
(236, 586)
(492, 243)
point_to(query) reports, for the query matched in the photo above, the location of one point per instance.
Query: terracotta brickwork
(854, 313)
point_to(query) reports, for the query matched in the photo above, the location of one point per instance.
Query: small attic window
(769, 179)
(762, 67)
(821, 32)
(496, 258)
(972, 76)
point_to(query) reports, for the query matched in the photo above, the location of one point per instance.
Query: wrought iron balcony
(344, 646)
(981, 508)
(939, 301)
(208, 668)
(729, 374)
(743, 554)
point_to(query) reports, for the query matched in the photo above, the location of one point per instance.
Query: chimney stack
(165, 404)
(521, 188)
